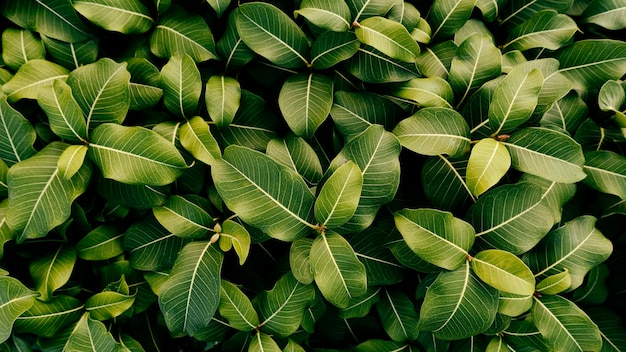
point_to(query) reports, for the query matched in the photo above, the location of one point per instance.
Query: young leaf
(609, 14)
(447, 16)
(90, 335)
(17, 135)
(222, 98)
(71, 160)
(330, 48)
(239, 237)
(31, 78)
(190, 296)
(339, 196)
(236, 308)
(52, 271)
(299, 260)
(64, 114)
(389, 37)
(128, 17)
(20, 46)
(545, 29)
(184, 218)
(197, 139)
(15, 299)
(504, 271)
(182, 86)
(331, 15)
(102, 243)
(489, 161)
(338, 273)
(398, 315)
(47, 318)
(555, 284)
(606, 172)
(107, 305)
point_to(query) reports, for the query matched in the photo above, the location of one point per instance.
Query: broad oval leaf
(222, 98)
(295, 153)
(17, 135)
(444, 184)
(352, 112)
(197, 139)
(64, 114)
(372, 66)
(52, 271)
(435, 60)
(611, 96)
(135, 155)
(90, 335)
(398, 316)
(504, 271)
(367, 8)
(305, 102)
(71, 160)
(331, 15)
(448, 16)
(489, 161)
(436, 236)
(71, 55)
(339, 274)
(182, 86)
(236, 308)
(184, 218)
(128, 17)
(362, 305)
(513, 305)
(46, 318)
(458, 305)
(330, 48)
(545, 29)
(20, 46)
(31, 78)
(191, 295)
(231, 47)
(299, 260)
(555, 284)
(389, 37)
(102, 243)
(434, 131)
(339, 196)
(145, 82)
(151, 247)
(606, 172)
(426, 92)
(107, 305)
(261, 342)
(272, 34)
(515, 12)
(610, 14)
(15, 299)
(237, 236)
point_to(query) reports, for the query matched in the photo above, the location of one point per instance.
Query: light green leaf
(222, 98)
(447, 16)
(52, 271)
(434, 131)
(606, 172)
(282, 308)
(514, 100)
(545, 29)
(339, 196)
(20, 46)
(567, 113)
(272, 34)
(101, 91)
(64, 114)
(39, 198)
(135, 155)
(490, 8)
(361, 9)
(435, 61)
(510, 217)
(422, 33)
(102, 243)
(504, 271)
(190, 296)
(151, 247)
(184, 217)
(305, 101)
(565, 326)
(47, 318)
(331, 15)
(90, 335)
(236, 308)
(107, 305)
(359, 307)
(71, 55)
(555, 284)
(555, 194)
(515, 12)
(513, 305)
(179, 33)
(292, 347)
(555, 84)
(31, 77)
(497, 344)
(231, 47)
(238, 236)
(17, 135)
(282, 205)
(299, 260)
(458, 305)
(15, 299)
(372, 66)
(595, 290)
(71, 160)
(546, 153)
(330, 48)
(489, 161)
(182, 86)
(611, 96)
(443, 180)
(610, 14)
(436, 236)
(263, 343)
(197, 139)
(338, 273)
(389, 37)
(426, 92)
(295, 153)
(6, 234)
(128, 17)
(398, 316)
(145, 83)
(576, 246)
(352, 113)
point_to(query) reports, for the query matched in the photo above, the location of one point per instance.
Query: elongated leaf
(435, 61)
(197, 139)
(389, 37)
(516, 12)
(338, 273)
(577, 246)
(372, 66)
(513, 305)
(444, 183)
(6, 234)
(488, 163)
(604, 59)
(151, 247)
(537, 150)
(263, 343)
(611, 329)
(555, 84)
(339, 197)
(436, 236)
(447, 16)
(40, 198)
(608, 14)
(298, 155)
(138, 196)
(398, 315)
(545, 29)
(504, 271)
(555, 284)
(184, 218)
(458, 305)
(331, 15)
(179, 33)
(361, 9)
(17, 135)
(606, 172)
(381, 266)
(352, 113)
(238, 236)
(426, 92)
(190, 296)
(231, 47)
(64, 114)
(90, 335)
(565, 326)
(330, 48)
(52, 271)
(107, 305)
(223, 95)
(71, 160)
(128, 17)
(145, 82)
(272, 34)
(20, 46)
(104, 242)
(182, 86)
(31, 77)
(15, 299)
(71, 55)
(46, 318)
(567, 113)
(236, 308)
(280, 213)
(135, 155)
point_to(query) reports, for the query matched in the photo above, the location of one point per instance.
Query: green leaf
(372, 66)
(397, 315)
(555, 284)
(39, 197)
(606, 172)
(272, 34)
(145, 82)
(135, 155)
(190, 296)
(71, 55)
(64, 114)
(151, 247)
(184, 217)
(576, 246)
(611, 96)
(436, 236)
(128, 17)
(546, 153)
(489, 161)
(263, 343)
(31, 78)
(444, 183)
(197, 139)
(338, 273)
(513, 305)
(435, 61)
(15, 299)
(20, 46)
(458, 305)
(223, 95)
(389, 37)
(611, 329)
(603, 60)
(90, 335)
(555, 84)
(371, 247)
(182, 86)
(101, 91)
(238, 236)
(504, 271)
(514, 100)
(292, 347)
(295, 153)
(282, 205)
(71, 160)
(231, 47)
(179, 33)
(331, 15)
(47, 318)
(17, 135)
(236, 308)
(352, 113)
(137, 196)
(515, 12)
(299, 260)
(102, 243)
(6, 234)
(330, 48)
(107, 305)
(567, 113)
(513, 218)
(434, 131)
(523, 334)
(595, 291)
(359, 307)
(426, 92)
(565, 326)
(52, 271)
(545, 29)
(607, 14)
(339, 196)
(282, 308)
(447, 16)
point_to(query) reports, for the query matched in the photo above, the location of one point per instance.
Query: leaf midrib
(118, 9)
(571, 252)
(461, 296)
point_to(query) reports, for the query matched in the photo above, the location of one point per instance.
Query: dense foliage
(376, 175)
